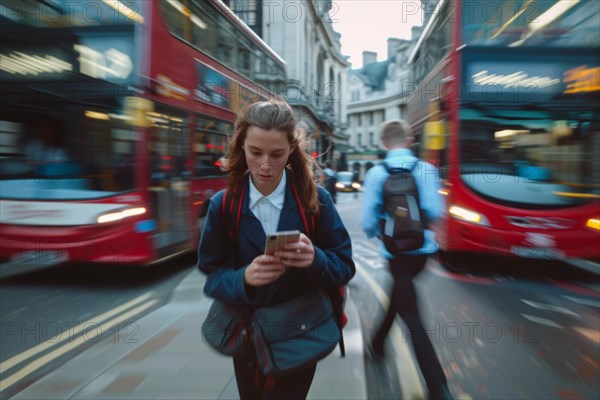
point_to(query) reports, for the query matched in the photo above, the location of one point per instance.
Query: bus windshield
(531, 23)
(531, 156)
(46, 157)
(68, 13)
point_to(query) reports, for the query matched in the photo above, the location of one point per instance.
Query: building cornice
(397, 98)
(332, 44)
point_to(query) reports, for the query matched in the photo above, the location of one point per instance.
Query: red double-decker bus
(505, 101)
(113, 118)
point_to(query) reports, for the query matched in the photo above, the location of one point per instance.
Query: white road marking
(373, 264)
(592, 303)
(542, 321)
(368, 255)
(90, 335)
(11, 362)
(365, 251)
(367, 244)
(550, 307)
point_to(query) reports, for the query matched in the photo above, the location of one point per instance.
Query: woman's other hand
(263, 270)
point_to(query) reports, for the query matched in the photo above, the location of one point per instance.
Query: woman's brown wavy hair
(276, 115)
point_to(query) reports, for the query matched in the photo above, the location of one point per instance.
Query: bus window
(48, 155)
(210, 145)
(547, 146)
(108, 157)
(211, 32)
(168, 148)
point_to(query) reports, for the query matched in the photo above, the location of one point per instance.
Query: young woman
(267, 156)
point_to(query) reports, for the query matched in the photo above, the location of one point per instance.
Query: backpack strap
(309, 223)
(231, 211)
(412, 170)
(393, 170)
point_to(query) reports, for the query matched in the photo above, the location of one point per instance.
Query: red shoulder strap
(231, 211)
(309, 223)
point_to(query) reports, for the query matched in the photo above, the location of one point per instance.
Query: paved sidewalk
(169, 360)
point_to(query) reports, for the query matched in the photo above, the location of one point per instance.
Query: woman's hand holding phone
(263, 270)
(300, 254)
(267, 268)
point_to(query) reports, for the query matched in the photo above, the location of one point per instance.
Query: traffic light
(315, 154)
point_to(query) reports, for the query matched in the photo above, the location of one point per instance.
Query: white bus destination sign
(530, 81)
(105, 58)
(485, 76)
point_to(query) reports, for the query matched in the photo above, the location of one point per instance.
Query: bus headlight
(119, 215)
(468, 215)
(356, 185)
(593, 223)
(339, 185)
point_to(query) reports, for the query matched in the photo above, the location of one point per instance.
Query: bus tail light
(119, 215)
(593, 223)
(468, 215)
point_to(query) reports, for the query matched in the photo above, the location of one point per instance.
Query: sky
(367, 24)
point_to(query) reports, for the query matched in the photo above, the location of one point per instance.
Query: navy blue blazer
(333, 263)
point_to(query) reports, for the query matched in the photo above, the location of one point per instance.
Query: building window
(246, 60)
(249, 11)
(371, 141)
(359, 140)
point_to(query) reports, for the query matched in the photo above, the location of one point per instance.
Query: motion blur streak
(591, 334)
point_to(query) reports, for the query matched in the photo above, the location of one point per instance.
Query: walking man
(396, 136)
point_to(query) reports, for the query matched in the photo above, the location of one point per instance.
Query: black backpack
(403, 228)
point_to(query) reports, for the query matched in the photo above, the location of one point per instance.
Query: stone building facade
(376, 92)
(301, 32)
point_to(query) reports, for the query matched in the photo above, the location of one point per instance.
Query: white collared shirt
(268, 208)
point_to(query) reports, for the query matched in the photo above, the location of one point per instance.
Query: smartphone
(277, 240)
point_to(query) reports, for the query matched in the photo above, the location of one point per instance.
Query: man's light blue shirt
(428, 183)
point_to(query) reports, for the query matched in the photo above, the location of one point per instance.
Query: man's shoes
(375, 350)
(443, 393)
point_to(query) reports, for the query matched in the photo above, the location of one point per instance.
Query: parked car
(346, 182)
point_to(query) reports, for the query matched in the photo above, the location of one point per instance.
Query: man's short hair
(395, 132)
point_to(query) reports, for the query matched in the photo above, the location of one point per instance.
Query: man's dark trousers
(404, 303)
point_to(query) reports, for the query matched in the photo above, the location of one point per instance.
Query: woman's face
(267, 153)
